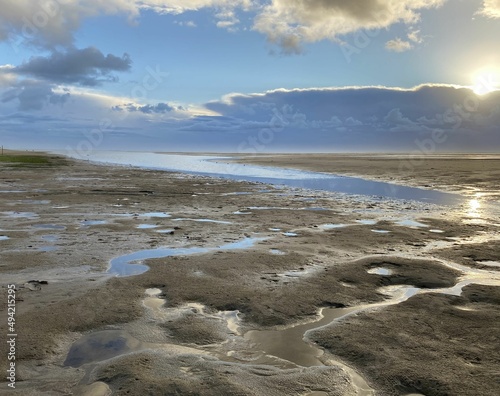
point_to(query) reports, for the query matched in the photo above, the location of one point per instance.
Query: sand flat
(76, 296)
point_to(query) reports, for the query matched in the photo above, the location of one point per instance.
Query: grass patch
(30, 160)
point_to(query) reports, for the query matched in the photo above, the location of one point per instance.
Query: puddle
(132, 264)
(277, 252)
(437, 231)
(35, 202)
(49, 238)
(60, 207)
(239, 212)
(411, 223)
(332, 226)
(99, 346)
(21, 215)
(205, 221)
(381, 231)
(146, 226)
(3, 238)
(48, 248)
(367, 222)
(49, 227)
(169, 231)
(88, 223)
(275, 229)
(162, 215)
(290, 234)
(380, 271)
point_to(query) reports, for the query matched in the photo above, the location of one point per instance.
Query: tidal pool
(132, 263)
(380, 271)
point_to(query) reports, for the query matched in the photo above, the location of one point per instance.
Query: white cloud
(414, 36)
(398, 45)
(292, 22)
(491, 8)
(181, 6)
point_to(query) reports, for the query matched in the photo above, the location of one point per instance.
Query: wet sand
(464, 173)
(185, 324)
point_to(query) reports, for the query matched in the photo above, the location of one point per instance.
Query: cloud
(51, 23)
(326, 119)
(88, 66)
(190, 24)
(181, 6)
(398, 45)
(490, 9)
(289, 23)
(160, 108)
(34, 95)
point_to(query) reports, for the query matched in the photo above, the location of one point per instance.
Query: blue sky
(217, 74)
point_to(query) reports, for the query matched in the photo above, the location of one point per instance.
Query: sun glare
(485, 81)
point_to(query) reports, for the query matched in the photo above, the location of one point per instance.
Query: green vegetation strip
(30, 160)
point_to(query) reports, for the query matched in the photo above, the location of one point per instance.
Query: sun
(486, 81)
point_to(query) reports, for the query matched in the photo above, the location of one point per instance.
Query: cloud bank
(441, 117)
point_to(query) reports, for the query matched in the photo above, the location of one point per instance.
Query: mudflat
(133, 281)
(465, 173)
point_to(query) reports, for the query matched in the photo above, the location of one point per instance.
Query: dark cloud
(33, 95)
(88, 66)
(362, 118)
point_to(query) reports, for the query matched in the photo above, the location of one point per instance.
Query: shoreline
(69, 220)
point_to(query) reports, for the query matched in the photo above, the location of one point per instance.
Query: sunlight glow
(485, 81)
(474, 209)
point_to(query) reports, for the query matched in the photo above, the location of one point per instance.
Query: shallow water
(162, 215)
(215, 167)
(99, 346)
(331, 226)
(367, 222)
(204, 221)
(411, 223)
(21, 215)
(49, 227)
(380, 271)
(88, 223)
(131, 264)
(381, 231)
(146, 226)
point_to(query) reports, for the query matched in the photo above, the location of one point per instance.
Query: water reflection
(474, 207)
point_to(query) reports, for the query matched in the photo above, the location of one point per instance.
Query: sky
(250, 76)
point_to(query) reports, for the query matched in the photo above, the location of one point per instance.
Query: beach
(143, 281)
